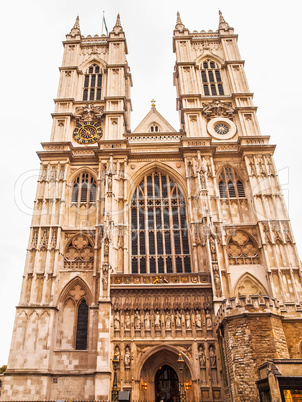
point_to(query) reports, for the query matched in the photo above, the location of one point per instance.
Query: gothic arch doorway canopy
(152, 362)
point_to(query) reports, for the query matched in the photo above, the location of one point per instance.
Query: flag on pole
(104, 24)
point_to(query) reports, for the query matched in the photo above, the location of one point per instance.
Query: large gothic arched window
(159, 232)
(92, 83)
(211, 78)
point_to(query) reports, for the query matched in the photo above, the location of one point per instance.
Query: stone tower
(160, 262)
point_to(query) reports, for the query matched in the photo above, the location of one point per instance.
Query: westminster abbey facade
(160, 263)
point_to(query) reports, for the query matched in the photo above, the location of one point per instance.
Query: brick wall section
(249, 341)
(293, 333)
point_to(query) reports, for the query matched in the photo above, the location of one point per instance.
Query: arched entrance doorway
(166, 385)
(159, 370)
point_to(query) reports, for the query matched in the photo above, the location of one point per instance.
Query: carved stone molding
(89, 112)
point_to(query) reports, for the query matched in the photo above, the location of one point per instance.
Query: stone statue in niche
(127, 359)
(168, 321)
(213, 248)
(117, 321)
(177, 319)
(157, 320)
(201, 356)
(188, 320)
(202, 168)
(127, 321)
(117, 352)
(147, 321)
(105, 278)
(137, 321)
(106, 247)
(212, 356)
(209, 321)
(198, 319)
(217, 279)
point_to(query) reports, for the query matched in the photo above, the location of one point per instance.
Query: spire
(179, 25)
(222, 22)
(118, 21)
(76, 28)
(118, 26)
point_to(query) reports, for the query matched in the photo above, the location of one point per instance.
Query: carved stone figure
(209, 321)
(127, 359)
(137, 321)
(188, 320)
(212, 356)
(168, 321)
(147, 321)
(177, 319)
(105, 278)
(198, 319)
(127, 321)
(217, 279)
(157, 321)
(106, 247)
(213, 249)
(117, 321)
(201, 356)
(117, 352)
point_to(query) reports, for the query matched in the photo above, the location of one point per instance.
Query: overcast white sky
(31, 35)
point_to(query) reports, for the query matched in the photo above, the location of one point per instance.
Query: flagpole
(103, 22)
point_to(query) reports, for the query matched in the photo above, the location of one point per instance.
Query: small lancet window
(92, 84)
(154, 128)
(82, 326)
(210, 73)
(230, 185)
(84, 189)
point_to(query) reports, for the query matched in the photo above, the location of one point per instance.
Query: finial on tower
(118, 26)
(153, 106)
(222, 22)
(179, 25)
(76, 28)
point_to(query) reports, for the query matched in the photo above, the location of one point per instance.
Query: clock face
(87, 133)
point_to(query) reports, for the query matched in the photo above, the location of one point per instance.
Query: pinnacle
(178, 21)
(76, 28)
(118, 26)
(179, 25)
(222, 22)
(118, 21)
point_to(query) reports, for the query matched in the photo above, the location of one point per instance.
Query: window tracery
(84, 189)
(230, 184)
(93, 83)
(159, 235)
(211, 78)
(79, 253)
(242, 249)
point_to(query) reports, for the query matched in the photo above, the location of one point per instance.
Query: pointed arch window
(93, 83)
(230, 185)
(211, 78)
(82, 326)
(84, 189)
(159, 233)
